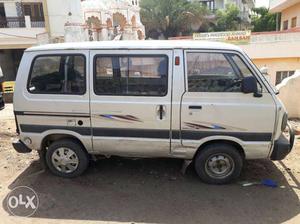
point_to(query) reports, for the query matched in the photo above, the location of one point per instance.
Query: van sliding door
(131, 102)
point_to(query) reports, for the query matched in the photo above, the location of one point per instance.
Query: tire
(218, 163)
(66, 158)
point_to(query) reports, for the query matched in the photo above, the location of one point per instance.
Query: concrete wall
(58, 14)
(19, 38)
(283, 49)
(279, 51)
(278, 64)
(280, 5)
(10, 9)
(289, 13)
(289, 94)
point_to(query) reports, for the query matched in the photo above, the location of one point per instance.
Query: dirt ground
(147, 190)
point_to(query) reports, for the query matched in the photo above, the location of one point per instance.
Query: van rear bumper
(20, 147)
(283, 146)
(1, 102)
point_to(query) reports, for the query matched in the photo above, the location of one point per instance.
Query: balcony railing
(12, 22)
(21, 22)
(37, 22)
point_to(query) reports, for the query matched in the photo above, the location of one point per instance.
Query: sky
(260, 3)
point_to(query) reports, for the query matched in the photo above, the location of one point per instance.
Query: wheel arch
(235, 144)
(50, 138)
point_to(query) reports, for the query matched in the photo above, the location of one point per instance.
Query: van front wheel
(66, 158)
(218, 163)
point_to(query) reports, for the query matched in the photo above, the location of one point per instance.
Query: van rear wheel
(66, 158)
(218, 163)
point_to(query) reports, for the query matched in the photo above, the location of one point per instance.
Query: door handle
(194, 107)
(161, 111)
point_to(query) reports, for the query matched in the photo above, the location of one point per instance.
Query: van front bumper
(283, 146)
(20, 147)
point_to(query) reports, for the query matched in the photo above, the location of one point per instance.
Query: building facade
(244, 7)
(24, 23)
(290, 13)
(61, 13)
(278, 51)
(113, 19)
(21, 22)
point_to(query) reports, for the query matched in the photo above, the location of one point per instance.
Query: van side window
(58, 74)
(131, 75)
(215, 72)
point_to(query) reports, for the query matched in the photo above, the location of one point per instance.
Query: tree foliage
(263, 20)
(171, 17)
(181, 17)
(228, 19)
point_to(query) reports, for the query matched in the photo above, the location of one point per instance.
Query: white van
(200, 101)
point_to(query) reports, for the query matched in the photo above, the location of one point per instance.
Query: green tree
(171, 17)
(228, 19)
(263, 20)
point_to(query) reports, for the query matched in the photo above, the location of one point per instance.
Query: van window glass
(63, 74)
(245, 71)
(131, 75)
(215, 72)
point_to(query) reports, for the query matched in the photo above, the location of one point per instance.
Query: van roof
(147, 44)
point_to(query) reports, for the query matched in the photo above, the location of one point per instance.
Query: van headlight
(284, 121)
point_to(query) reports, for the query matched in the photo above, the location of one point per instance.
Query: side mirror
(249, 85)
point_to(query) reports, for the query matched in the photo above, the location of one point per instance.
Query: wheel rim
(65, 160)
(219, 166)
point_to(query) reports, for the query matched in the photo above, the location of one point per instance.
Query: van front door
(214, 107)
(131, 102)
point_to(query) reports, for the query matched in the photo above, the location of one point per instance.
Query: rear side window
(131, 75)
(58, 74)
(215, 72)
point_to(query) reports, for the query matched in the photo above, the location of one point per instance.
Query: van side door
(131, 102)
(214, 107)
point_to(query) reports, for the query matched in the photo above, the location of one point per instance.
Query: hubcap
(65, 160)
(219, 166)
